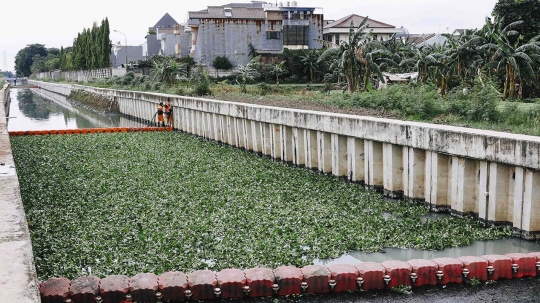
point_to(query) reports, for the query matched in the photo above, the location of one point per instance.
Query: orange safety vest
(160, 110)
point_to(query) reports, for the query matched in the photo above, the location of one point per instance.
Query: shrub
(222, 62)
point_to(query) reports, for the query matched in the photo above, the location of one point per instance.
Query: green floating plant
(127, 203)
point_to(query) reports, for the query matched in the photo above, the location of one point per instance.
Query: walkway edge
(18, 279)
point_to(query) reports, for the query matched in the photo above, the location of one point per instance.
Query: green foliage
(25, 58)
(167, 70)
(524, 10)
(222, 62)
(473, 282)
(127, 203)
(403, 289)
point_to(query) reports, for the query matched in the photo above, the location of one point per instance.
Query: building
(337, 31)
(235, 30)
(160, 38)
(118, 56)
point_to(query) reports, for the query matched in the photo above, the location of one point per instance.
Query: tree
(517, 59)
(167, 70)
(346, 52)
(311, 63)
(278, 70)
(222, 62)
(25, 58)
(527, 11)
(247, 73)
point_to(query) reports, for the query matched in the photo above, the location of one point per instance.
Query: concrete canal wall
(18, 280)
(492, 175)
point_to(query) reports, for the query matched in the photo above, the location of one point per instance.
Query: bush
(222, 62)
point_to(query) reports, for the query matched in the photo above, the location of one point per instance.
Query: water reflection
(477, 248)
(41, 110)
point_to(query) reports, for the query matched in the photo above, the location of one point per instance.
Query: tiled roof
(345, 22)
(166, 21)
(218, 12)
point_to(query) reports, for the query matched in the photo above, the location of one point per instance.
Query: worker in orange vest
(160, 121)
(169, 112)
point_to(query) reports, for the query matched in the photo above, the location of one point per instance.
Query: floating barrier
(88, 131)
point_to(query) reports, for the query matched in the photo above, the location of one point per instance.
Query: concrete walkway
(18, 280)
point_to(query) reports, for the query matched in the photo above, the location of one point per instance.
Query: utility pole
(125, 40)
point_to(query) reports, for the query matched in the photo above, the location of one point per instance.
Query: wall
(493, 176)
(18, 280)
(77, 76)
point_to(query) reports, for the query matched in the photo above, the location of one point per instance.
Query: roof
(166, 21)
(218, 12)
(345, 22)
(416, 39)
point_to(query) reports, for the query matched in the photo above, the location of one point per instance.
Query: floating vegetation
(127, 203)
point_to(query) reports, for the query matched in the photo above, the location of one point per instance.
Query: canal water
(40, 110)
(34, 109)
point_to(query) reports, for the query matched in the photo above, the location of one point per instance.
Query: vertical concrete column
(231, 133)
(201, 123)
(216, 128)
(276, 140)
(414, 173)
(310, 143)
(193, 122)
(339, 155)
(266, 139)
(373, 164)
(239, 130)
(531, 204)
(464, 185)
(483, 190)
(519, 194)
(223, 128)
(256, 136)
(437, 180)
(286, 139)
(355, 159)
(393, 170)
(501, 197)
(210, 132)
(299, 148)
(324, 148)
(248, 138)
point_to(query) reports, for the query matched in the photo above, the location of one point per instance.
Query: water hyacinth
(127, 203)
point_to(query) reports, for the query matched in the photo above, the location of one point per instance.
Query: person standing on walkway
(160, 121)
(169, 113)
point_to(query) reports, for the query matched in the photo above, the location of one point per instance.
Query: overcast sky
(57, 22)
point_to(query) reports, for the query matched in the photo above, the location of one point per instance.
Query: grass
(127, 203)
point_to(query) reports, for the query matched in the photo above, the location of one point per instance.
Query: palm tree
(346, 52)
(515, 60)
(311, 63)
(278, 70)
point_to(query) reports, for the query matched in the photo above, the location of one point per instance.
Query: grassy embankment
(152, 202)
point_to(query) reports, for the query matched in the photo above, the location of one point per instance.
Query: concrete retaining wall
(18, 280)
(77, 76)
(493, 176)
(288, 280)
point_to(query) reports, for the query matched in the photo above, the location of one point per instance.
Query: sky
(56, 23)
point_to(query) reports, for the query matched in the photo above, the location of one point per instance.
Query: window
(295, 35)
(336, 39)
(273, 35)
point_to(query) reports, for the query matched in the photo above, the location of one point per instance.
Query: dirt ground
(517, 290)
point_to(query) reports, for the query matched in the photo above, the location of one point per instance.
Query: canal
(35, 109)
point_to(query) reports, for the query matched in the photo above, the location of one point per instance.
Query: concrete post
(355, 160)
(275, 133)
(239, 131)
(339, 155)
(266, 139)
(501, 198)
(531, 204)
(311, 143)
(299, 147)
(465, 183)
(248, 138)
(393, 170)
(256, 136)
(286, 136)
(414, 173)
(324, 152)
(373, 165)
(519, 191)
